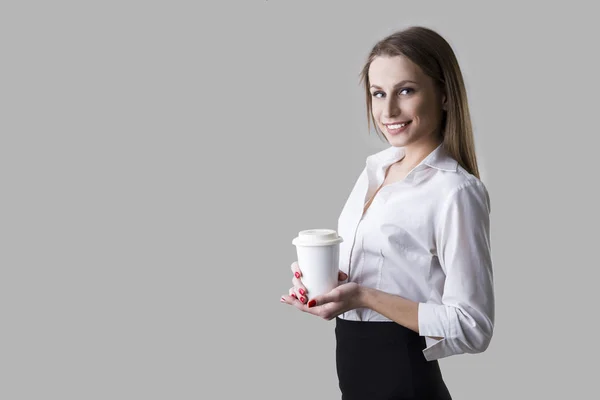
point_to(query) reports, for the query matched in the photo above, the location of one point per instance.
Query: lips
(397, 127)
(392, 124)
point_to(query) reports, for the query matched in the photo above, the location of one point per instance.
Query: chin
(398, 141)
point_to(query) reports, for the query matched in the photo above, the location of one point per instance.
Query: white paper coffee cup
(318, 252)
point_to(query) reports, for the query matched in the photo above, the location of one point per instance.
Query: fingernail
(312, 303)
(302, 299)
(297, 274)
(302, 292)
(282, 298)
(293, 295)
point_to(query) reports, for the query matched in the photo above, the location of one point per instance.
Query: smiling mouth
(397, 128)
(398, 125)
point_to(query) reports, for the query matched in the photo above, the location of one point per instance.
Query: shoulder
(464, 188)
(463, 180)
(448, 175)
(458, 185)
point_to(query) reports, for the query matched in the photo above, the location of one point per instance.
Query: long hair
(434, 55)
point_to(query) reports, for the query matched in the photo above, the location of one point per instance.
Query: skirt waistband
(380, 330)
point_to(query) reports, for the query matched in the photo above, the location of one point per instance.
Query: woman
(416, 281)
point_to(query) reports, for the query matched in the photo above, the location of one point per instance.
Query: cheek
(425, 112)
(418, 107)
(376, 111)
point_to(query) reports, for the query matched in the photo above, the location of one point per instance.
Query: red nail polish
(312, 303)
(302, 292)
(297, 274)
(302, 299)
(293, 295)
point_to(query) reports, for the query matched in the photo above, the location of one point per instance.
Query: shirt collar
(438, 159)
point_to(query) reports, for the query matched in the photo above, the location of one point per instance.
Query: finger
(342, 276)
(291, 297)
(330, 297)
(292, 293)
(300, 289)
(296, 270)
(301, 299)
(286, 299)
(295, 301)
(327, 311)
(321, 307)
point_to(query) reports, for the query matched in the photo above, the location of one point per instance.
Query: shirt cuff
(430, 324)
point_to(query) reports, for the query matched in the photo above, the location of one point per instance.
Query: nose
(392, 107)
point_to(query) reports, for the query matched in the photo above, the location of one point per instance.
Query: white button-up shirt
(425, 238)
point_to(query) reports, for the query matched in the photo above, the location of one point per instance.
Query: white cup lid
(317, 237)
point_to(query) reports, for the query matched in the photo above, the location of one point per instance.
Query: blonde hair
(433, 54)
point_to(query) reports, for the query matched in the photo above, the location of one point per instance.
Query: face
(406, 105)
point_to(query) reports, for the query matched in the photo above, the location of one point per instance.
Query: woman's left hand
(344, 297)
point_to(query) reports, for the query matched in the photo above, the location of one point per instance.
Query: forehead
(387, 71)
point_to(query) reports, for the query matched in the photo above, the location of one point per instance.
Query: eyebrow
(404, 82)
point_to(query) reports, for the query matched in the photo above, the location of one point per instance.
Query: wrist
(364, 293)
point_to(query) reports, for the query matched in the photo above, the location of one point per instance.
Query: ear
(444, 102)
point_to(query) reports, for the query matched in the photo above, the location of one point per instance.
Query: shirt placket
(378, 177)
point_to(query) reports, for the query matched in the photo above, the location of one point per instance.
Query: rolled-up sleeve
(465, 319)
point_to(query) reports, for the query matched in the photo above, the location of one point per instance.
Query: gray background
(157, 158)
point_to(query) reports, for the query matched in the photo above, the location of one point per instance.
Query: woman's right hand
(298, 292)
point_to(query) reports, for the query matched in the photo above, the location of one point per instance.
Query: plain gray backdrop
(158, 157)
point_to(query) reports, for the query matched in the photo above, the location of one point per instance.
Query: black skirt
(384, 360)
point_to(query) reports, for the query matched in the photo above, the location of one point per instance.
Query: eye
(409, 90)
(378, 94)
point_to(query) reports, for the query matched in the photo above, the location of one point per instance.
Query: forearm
(403, 311)
(400, 310)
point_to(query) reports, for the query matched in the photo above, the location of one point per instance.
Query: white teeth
(397, 126)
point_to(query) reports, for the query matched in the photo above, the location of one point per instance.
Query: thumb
(333, 296)
(342, 276)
